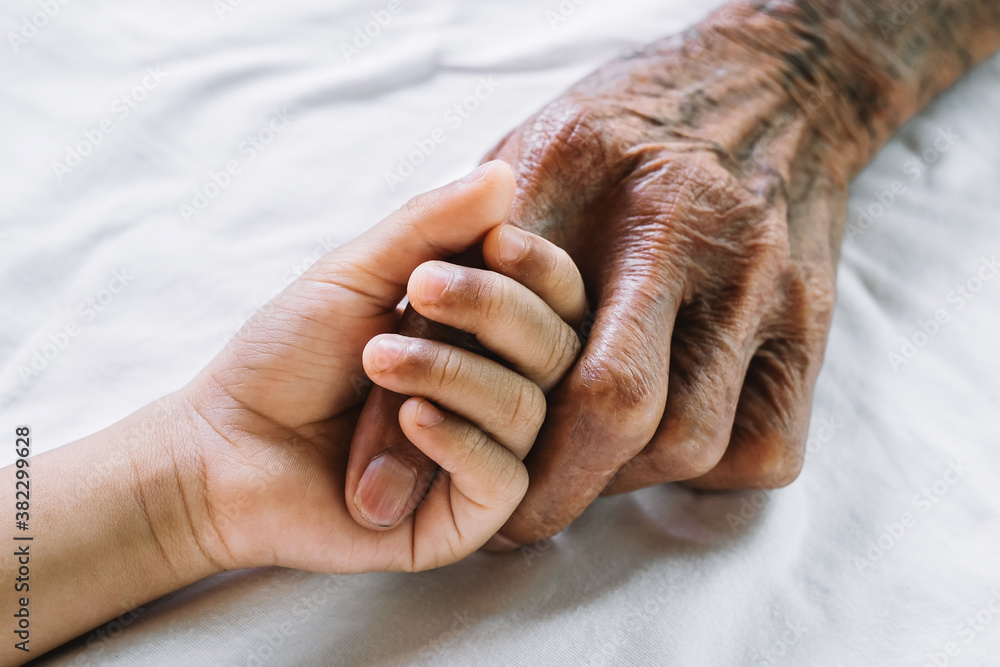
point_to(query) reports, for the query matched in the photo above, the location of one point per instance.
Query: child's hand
(516, 312)
(278, 407)
(246, 465)
(494, 408)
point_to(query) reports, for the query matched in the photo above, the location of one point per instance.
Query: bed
(118, 217)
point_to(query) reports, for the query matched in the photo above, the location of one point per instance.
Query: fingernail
(512, 244)
(428, 415)
(384, 491)
(434, 280)
(476, 174)
(387, 353)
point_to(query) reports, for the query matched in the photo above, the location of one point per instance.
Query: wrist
(881, 60)
(795, 86)
(166, 481)
(741, 84)
(113, 512)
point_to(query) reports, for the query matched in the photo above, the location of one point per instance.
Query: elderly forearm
(884, 59)
(807, 90)
(852, 70)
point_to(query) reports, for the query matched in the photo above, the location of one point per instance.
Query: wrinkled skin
(700, 184)
(715, 292)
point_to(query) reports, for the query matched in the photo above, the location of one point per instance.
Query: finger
(606, 409)
(710, 351)
(496, 399)
(436, 224)
(505, 317)
(402, 473)
(610, 404)
(539, 265)
(405, 469)
(481, 485)
(772, 419)
(387, 476)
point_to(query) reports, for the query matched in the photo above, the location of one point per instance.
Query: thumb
(433, 225)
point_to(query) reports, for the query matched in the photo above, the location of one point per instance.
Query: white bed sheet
(663, 576)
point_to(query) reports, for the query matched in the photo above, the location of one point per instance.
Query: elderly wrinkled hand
(700, 184)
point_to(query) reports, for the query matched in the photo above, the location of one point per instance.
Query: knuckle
(448, 365)
(686, 450)
(571, 131)
(778, 462)
(804, 308)
(820, 290)
(477, 449)
(493, 297)
(562, 354)
(529, 408)
(417, 207)
(621, 390)
(486, 459)
(511, 480)
(787, 473)
(694, 467)
(694, 458)
(548, 260)
(567, 283)
(782, 471)
(516, 487)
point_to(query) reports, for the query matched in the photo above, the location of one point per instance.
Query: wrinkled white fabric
(851, 565)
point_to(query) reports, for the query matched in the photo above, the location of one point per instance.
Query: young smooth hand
(276, 410)
(247, 465)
